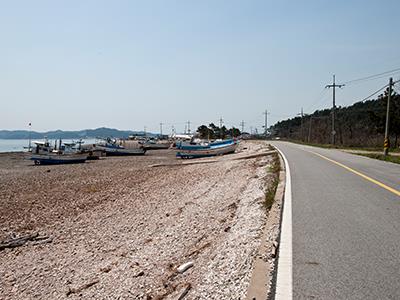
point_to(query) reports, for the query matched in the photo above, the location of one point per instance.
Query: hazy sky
(128, 64)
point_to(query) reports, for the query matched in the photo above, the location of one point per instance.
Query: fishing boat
(153, 144)
(120, 148)
(206, 150)
(92, 152)
(55, 158)
(44, 154)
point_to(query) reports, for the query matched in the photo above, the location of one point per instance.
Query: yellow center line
(394, 191)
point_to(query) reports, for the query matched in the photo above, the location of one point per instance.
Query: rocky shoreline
(121, 228)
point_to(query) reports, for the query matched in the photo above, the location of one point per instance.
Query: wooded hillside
(361, 124)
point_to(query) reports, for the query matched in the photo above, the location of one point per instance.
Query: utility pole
(145, 131)
(301, 131)
(30, 136)
(309, 130)
(386, 143)
(242, 124)
(188, 127)
(161, 124)
(266, 113)
(334, 86)
(220, 127)
(302, 115)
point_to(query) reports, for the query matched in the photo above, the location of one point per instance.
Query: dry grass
(274, 170)
(390, 158)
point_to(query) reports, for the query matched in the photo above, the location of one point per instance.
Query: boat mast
(30, 135)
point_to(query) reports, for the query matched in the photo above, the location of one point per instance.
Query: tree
(214, 132)
(361, 124)
(205, 132)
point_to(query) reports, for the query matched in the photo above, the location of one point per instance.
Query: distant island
(60, 134)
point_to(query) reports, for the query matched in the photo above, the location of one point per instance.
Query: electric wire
(373, 77)
(374, 93)
(320, 99)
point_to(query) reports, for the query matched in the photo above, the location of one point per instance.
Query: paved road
(346, 229)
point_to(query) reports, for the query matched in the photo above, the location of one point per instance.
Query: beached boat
(211, 149)
(45, 154)
(113, 148)
(92, 152)
(157, 144)
(54, 158)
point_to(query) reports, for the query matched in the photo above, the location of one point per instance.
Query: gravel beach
(123, 227)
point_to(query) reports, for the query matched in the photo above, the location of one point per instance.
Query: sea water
(22, 145)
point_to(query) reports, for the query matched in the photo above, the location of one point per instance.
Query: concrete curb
(284, 274)
(263, 278)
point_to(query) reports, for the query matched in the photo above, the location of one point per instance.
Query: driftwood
(82, 287)
(185, 291)
(17, 242)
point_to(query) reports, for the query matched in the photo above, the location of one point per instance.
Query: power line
(321, 98)
(376, 76)
(374, 93)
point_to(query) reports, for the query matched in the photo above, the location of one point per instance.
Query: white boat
(113, 148)
(207, 150)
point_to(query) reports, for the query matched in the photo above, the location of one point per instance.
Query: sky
(74, 65)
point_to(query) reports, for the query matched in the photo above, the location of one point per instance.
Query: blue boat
(207, 150)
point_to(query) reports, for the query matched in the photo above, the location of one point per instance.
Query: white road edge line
(284, 280)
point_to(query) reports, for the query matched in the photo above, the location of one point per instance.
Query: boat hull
(119, 151)
(157, 146)
(58, 159)
(206, 151)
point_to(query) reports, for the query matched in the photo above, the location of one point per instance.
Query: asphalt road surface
(345, 224)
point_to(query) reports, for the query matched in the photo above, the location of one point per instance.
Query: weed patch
(273, 181)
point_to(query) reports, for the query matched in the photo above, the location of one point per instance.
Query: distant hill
(81, 134)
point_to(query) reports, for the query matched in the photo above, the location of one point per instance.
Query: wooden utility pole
(334, 86)
(386, 143)
(161, 124)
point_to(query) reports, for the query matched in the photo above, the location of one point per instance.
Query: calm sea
(18, 145)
